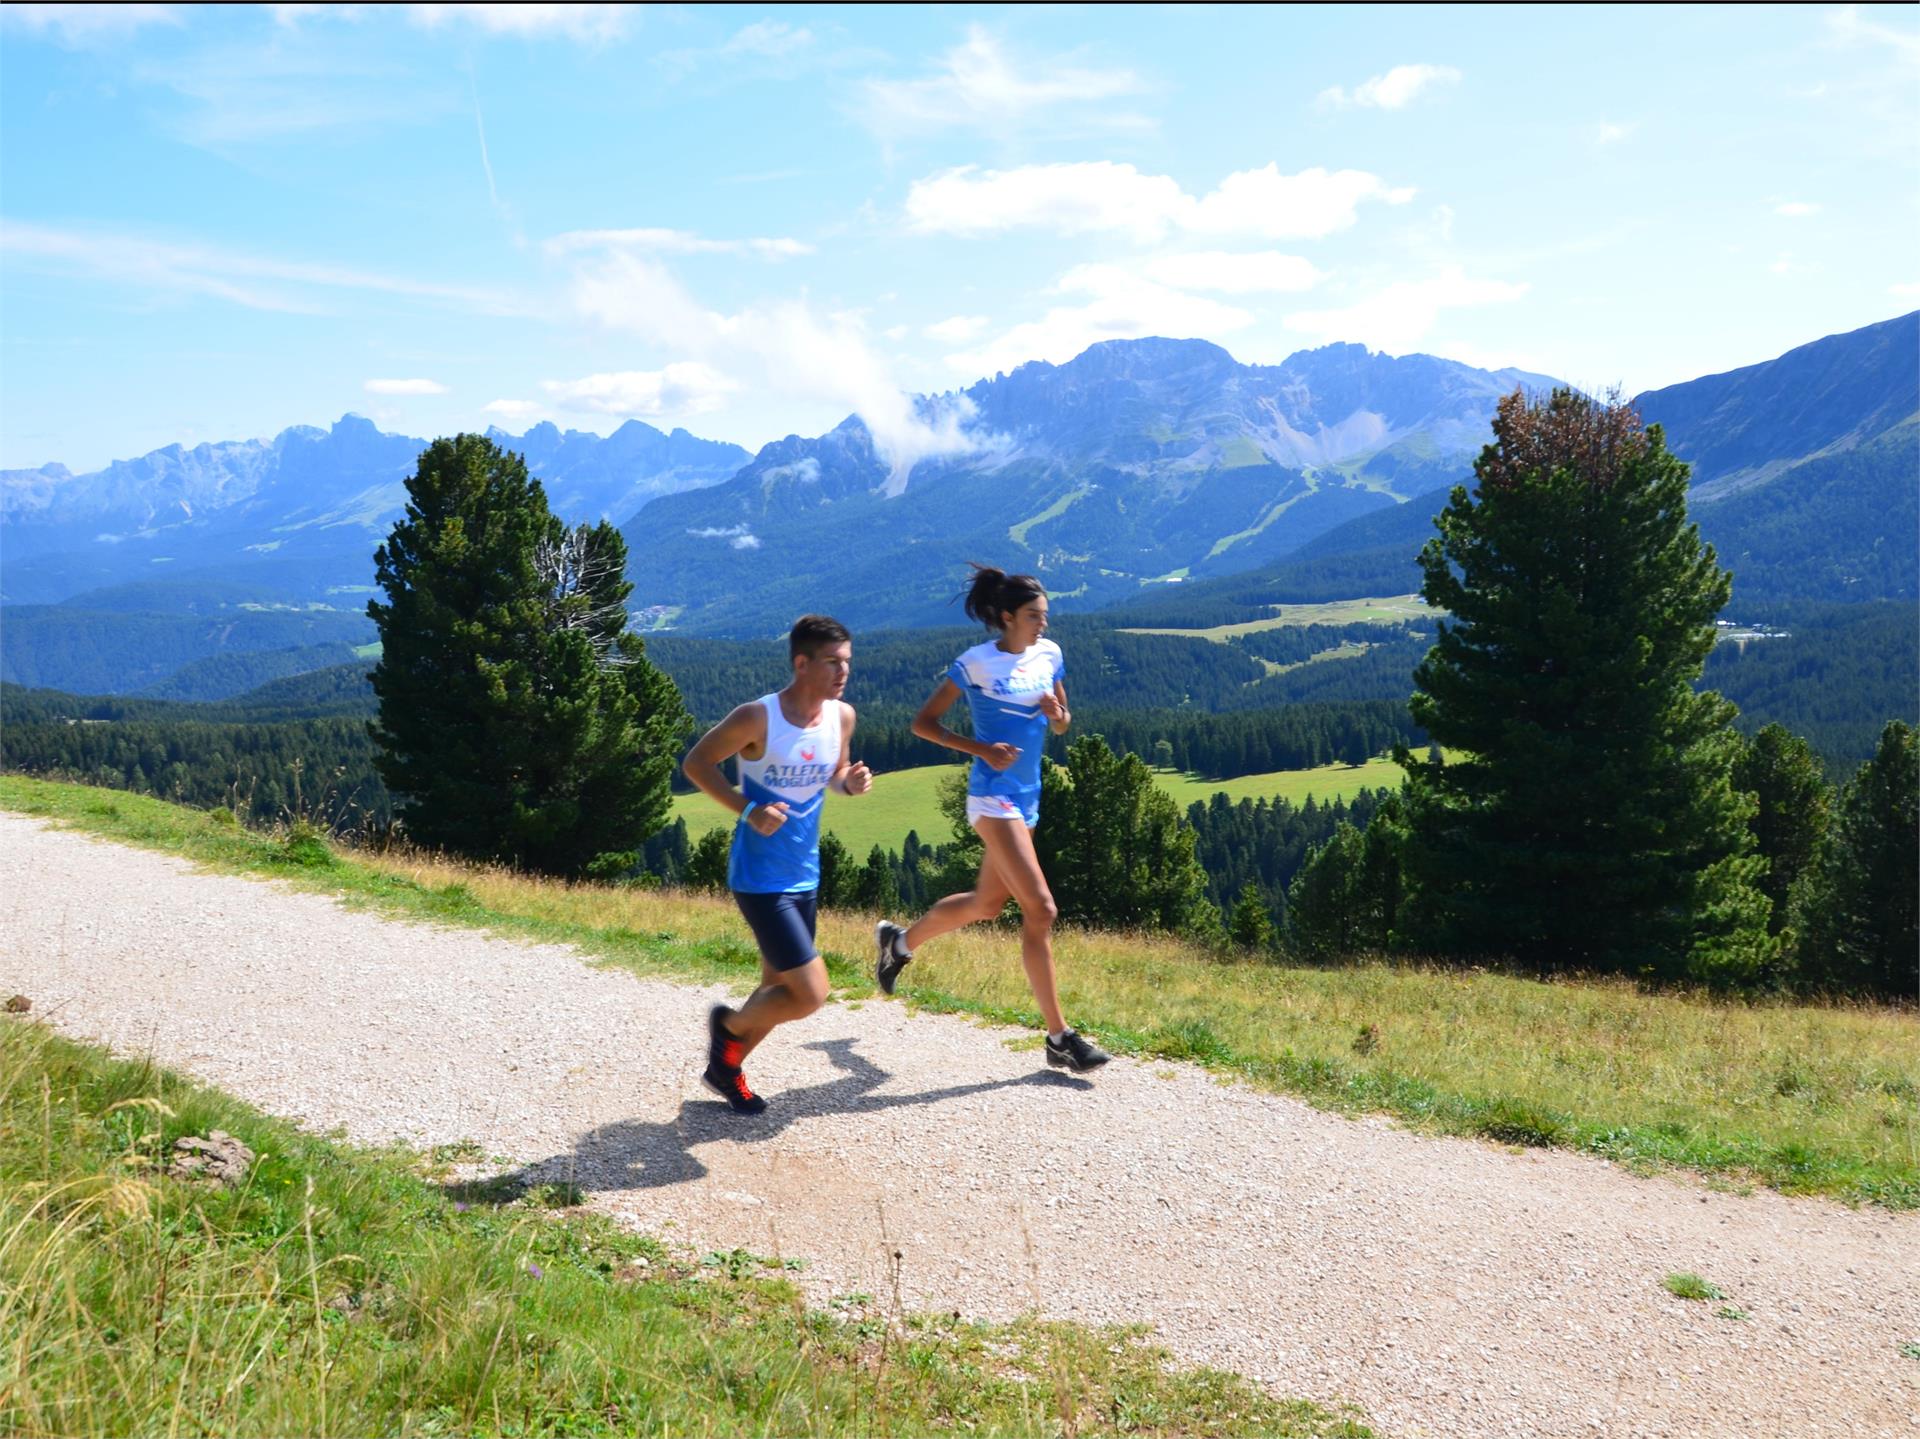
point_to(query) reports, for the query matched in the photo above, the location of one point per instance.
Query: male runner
(790, 747)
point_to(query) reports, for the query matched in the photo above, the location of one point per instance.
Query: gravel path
(1448, 1287)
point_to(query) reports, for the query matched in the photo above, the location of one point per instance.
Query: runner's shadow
(630, 1155)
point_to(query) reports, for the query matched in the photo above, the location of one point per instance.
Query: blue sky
(217, 222)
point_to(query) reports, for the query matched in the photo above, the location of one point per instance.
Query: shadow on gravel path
(630, 1155)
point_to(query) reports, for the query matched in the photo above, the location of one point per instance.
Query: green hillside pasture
(1806, 1098)
(354, 1291)
(1324, 785)
(1390, 610)
(909, 799)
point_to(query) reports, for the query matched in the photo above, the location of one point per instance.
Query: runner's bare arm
(744, 729)
(927, 726)
(1054, 706)
(849, 776)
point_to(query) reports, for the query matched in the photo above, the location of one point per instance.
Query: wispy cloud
(674, 242)
(1395, 90)
(978, 86)
(684, 388)
(1397, 318)
(1258, 272)
(1848, 27)
(1905, 291)
(784, 347)
(1120, 304)
(80, 26)
(289, 86)
(763, 40)
(1100, 195)
(404, 387)
(955, 331)
(254, 281)
(514, 411)
(1612, 132)
(588, 24)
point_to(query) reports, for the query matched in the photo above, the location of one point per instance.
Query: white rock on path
(1449, 1288)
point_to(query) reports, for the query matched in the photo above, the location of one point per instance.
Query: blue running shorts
(782, 925)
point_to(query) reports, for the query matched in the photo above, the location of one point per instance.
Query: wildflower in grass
(535, 1270)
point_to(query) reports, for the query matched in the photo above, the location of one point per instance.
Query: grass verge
(347, 1291)
(1807, 1099)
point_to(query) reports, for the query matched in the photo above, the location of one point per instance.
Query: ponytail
(993, 594)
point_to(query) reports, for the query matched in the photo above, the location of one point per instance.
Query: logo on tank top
(806, 774)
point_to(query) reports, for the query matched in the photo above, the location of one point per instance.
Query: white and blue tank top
(1003, 693)
(795, 766)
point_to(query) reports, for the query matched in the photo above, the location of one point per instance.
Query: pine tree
(1325, 909)
(1785, 777)
(1113, 846)
(1250, 926)
(1855, 906)
(875, 889)
(837, 875)
(707, 865)
(1587, 818)
(518, 720)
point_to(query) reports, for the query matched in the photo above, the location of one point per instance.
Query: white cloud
(76, 26)
(1395, 90)
(1399, 317)
(1258, 272)
(237, 94)
(958, 330)
(1610, 132)
(977, 85)
(1847, 27)
(897, 332)
(762, 40)
(769, 38)
(290, 16)
(1125, 305)
(404, 387)
(1908, 291)
(738, 537)
(589, 24)
(1097, 195)
(790, 348)
(686, 387)
(1795, 209)
(674, 242)
(515, 410)
(198, 270)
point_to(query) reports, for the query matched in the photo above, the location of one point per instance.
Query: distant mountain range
(1140, 460)
(1149, 474)
(295, 518)
(1806, 480)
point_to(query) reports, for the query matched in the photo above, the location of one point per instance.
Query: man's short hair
(811, 633)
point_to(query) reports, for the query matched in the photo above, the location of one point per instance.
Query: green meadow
(909, 799)
(1393, 609)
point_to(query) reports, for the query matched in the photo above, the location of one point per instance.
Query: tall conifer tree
(1857, 907)
(1588, 819)
(518, 720)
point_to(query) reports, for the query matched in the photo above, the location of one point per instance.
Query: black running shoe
(1076, 1052)
(724, 1050)
(731, 1085)
(891, 940)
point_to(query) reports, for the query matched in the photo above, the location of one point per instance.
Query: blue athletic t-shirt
(1003, 692)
